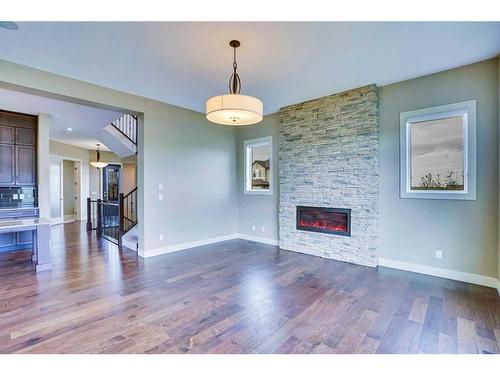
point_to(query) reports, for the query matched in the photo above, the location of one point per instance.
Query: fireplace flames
(323, 225)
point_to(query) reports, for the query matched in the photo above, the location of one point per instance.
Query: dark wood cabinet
(7, 240)
(24, 238)
(25, 165)
(18, 133)
(7, 165)
(25, 136)
(17, 149)
(7, 134)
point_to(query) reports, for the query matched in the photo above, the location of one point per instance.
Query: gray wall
(196, 162)
(69, 187)
(259, 210)
(129, 181)
(411, 230)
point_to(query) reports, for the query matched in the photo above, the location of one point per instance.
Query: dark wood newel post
(121, 226)
(89, 215)
(99, 217)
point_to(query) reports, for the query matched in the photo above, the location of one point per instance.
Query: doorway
(65, 189)
(111, 182)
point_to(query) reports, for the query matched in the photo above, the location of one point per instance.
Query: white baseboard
(405, 266)
(69, 218)
(208, 241)
(184, 246)
(267, 241)
(472, 278)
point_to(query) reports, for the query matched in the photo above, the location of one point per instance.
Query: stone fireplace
(328, 160)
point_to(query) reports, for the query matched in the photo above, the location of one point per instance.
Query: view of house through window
(437, 154)
(258, 165)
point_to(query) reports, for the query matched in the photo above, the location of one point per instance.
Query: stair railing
(108, 217)
(127, 125)
(127, 204)
(92, 209)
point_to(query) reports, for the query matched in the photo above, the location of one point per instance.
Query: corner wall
(254, 209)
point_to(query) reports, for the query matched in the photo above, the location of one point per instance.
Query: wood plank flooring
(232, 297)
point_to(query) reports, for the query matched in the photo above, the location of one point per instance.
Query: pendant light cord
(234, 81)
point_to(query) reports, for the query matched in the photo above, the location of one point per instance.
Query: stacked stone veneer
(328, 157)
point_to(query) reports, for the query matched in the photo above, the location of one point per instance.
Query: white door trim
(79, 192)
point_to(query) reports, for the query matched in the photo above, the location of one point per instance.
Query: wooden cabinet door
(7, 164)
(25, 165)
(24, 238)
(8, 240)
(7, 134)
(25, 136)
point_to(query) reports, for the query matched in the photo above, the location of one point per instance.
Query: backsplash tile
(18, 197)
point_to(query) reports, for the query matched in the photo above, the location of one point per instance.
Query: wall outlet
(160, 197)
(253, 227)
(160, 186)
(161, 237)
(263, 229)
(439, 254)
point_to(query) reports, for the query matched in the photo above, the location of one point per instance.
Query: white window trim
(247, 186)
(468, 111)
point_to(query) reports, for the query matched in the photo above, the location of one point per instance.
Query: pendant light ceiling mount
(234, 108)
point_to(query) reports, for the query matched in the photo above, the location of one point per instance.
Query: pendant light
(98, 163)
(234, 108)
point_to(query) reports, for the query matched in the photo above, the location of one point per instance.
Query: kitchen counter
(41, 236)
(17, 208)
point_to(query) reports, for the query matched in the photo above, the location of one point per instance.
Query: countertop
(18, 209)
(22, 223)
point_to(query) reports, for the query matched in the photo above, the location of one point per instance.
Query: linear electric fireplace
(324, 220)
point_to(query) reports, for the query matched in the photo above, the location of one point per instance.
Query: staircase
(121, 136)
(117, 222)
(128, 219)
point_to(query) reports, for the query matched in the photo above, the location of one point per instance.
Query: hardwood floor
(232, 297)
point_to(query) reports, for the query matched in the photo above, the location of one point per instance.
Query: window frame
(465, 109)
(247, 167)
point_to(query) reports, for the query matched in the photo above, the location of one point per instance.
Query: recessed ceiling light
(69, 129)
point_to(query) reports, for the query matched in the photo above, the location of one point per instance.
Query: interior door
(111, 182)
(56, 191)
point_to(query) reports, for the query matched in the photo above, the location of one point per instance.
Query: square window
(258, 166)
(438, 152)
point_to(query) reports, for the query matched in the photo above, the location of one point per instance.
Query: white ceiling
(85, 121)
(281, 63)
